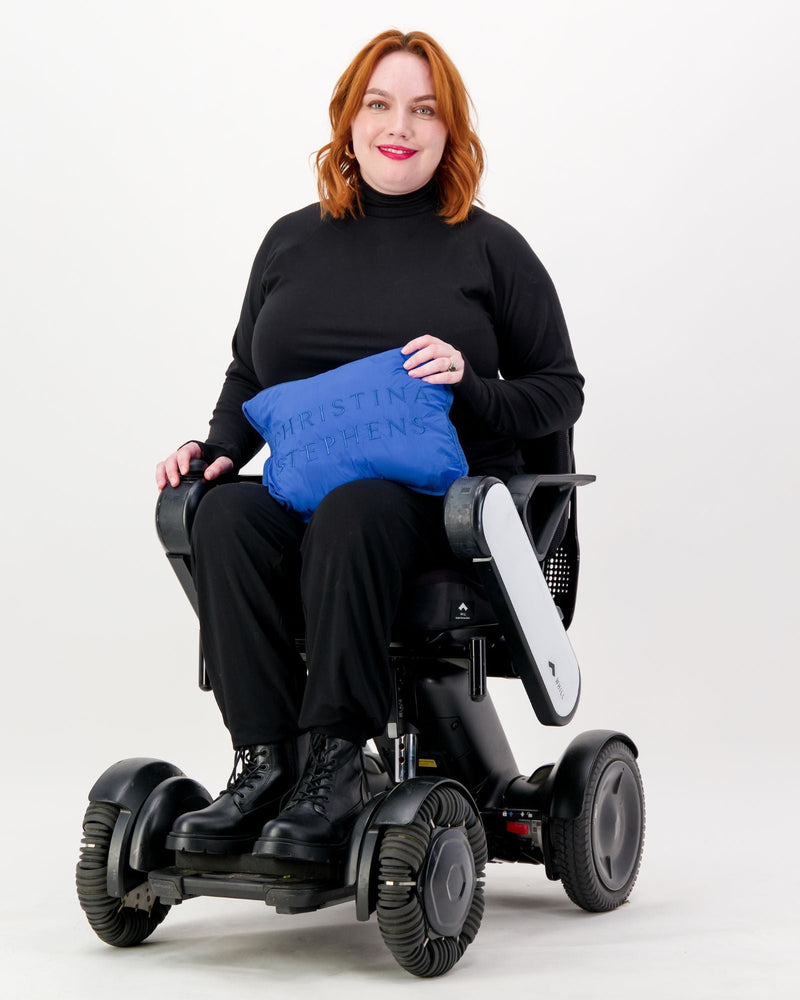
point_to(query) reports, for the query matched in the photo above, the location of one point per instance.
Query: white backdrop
(649, 154)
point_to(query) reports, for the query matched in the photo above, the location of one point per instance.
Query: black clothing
(323, 292)
(256, 566)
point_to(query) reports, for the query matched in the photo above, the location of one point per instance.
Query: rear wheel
(430, 888)
(113, 921)
(597, 853)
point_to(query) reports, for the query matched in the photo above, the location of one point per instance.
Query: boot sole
(294, 850)
(209, 845)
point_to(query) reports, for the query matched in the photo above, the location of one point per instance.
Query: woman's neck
(393, 206)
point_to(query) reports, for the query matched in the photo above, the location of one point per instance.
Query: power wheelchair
(447, 795)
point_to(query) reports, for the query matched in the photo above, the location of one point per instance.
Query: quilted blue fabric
(365, 420)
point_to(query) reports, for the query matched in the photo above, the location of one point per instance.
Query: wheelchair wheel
(430, 889)
(122, 926)
(597, 854)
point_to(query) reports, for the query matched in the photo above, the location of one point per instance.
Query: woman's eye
(424, 111)
(376, 105)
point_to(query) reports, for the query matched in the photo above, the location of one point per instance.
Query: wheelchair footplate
(291, 887)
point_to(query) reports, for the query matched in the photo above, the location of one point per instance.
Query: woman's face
(398, 136)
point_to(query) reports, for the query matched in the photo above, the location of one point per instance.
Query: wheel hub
(447, 881)
(616, 825)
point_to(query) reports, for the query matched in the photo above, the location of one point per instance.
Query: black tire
(112, 922)
(427, 940)
(597, 854)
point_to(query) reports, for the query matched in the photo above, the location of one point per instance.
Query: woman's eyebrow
(383, 93)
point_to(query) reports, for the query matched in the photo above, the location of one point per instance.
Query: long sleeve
(324, 292)
(230, 433)
(541, 389)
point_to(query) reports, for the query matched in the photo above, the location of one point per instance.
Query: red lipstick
(397, 152)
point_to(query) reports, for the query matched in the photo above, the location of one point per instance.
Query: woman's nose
(400, 124)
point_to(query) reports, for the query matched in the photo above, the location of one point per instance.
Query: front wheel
(113, 922)
(597, 854)
(430, 888)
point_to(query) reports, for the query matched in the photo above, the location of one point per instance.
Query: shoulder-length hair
(459, 172)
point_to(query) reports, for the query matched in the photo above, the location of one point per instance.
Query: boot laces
(315, 786)
(247, 770)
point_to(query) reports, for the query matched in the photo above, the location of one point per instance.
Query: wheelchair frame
(447, 792)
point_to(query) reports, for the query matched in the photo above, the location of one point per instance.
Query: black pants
(261, 574)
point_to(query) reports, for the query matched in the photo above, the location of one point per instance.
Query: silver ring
(451, 367)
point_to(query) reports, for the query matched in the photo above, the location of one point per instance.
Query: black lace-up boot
(315, 824)
(261, 777)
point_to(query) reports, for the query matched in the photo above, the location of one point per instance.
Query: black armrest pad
(175, 510)
(177, 505)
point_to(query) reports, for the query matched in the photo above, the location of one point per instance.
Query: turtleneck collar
(396, 206)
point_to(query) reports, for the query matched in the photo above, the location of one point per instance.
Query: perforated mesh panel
(557, 573)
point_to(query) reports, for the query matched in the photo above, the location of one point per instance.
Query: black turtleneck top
(323, 292)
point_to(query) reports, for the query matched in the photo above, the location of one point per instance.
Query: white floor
(713, 915)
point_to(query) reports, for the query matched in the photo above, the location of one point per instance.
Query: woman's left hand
(434, 361)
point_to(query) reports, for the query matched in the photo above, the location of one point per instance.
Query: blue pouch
(365, 420)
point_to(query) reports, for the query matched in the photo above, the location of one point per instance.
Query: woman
(394, 255)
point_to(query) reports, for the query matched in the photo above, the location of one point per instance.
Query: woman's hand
(177, 465)
(434, 361)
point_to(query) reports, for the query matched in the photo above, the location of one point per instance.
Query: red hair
(459, 172)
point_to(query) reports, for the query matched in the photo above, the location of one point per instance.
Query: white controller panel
(531, 600)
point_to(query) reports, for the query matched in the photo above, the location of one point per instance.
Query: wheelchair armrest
(483, 525)
(541, 514)
(176, 507)
(175, 511)
(542, 502)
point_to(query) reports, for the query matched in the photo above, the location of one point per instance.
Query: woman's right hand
(177, 465)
